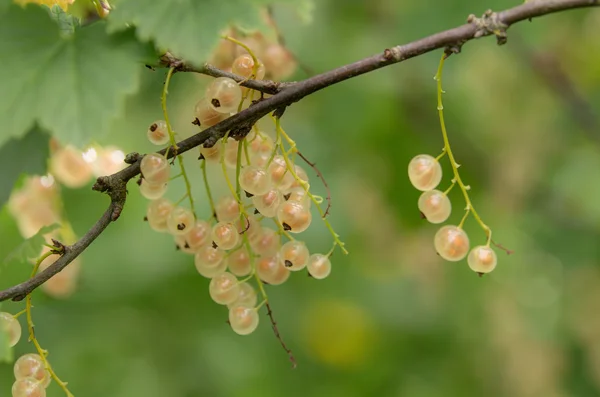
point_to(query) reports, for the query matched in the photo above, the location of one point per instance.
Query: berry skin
(155, 168)
(206, 115)
(69, 168)
(225, 235)
(246, 296)
(452, 243)
(270, 269)
(482, 259)
(243, 320)
(255, 180)
(424, 172)
(268, 203)
(298, 194)
(211, 154)
(231, 151)
(198, 235)
(11, 326)
(301, 174)
(244, 66)
(224, 289)
(294, 255)
(266, 242)
(238, 262)
(295, 216)
(227, 209)
(28, 387)
(158, 213)
(31, 365)
(223, 95)
(158, 133)
(435, 205)
(278, 61)
(210, 261)
(152, 191)
(180, 221)
(279, 174)
(319, 266)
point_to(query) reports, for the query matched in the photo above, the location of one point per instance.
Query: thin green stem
(208, 192)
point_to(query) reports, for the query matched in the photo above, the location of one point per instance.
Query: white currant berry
(225, 235)
(224, 95)
(279, 174)
(227, 209)
(424, 172)
(244, 66)
(295, 216)
(278, 61)
(210, 261)
(298, 194)
(451, 242)
(271, 270)
(158, 213)
(243, 319)
(482, 259)
(155, 168)
(435, 205)
(211, 154)
(301, 174)
(69, 167)
(231, 151)
(238, 262)
(32, 366)
(206, 115)
(158, 133)
(152, 191)
(249, 226)
(11, 327)
(260, 143)
(180, 221)
(246, 296)
(28, 387)
(254, 180)
(183, 245)
(109, 160)
(199, 235)
(294, 255)
(319, 266)
(224, 288)
(266, 242)
(268, 204)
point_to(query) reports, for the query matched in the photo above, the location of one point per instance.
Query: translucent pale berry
(278, 61)
(482, 259)
(451, 242)
(270, 269)
(198, 235)
(158, 133)
(69, 167)
(319, 266)
(294, 255)
(31, 365)
(266, 242)
(224, 95)
(295, 216)
(183, 245)
(231, 151)
(255, 180)
(246, 296)
(227, 209)
(243, 319)
(244, 66)
(155, 168)
(225, 235)
(109, 160)
(238, 262)
(268, 203)
(11, 326)
(157, 214)
(249, 226)
(435, 205)
(424, 172)
(301, 174)
(180, 221)
(279, 174)
(224, 288)
(211, 154)
(260, 143)
(28, 387)
(297, 194)
(210, 261)
(206, 115)
(152, 191)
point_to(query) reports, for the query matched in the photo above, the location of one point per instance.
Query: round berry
(180, 221)
(11, 326)
(206, 115)
(301, 174)
(32, 366)
(69, 167)
(225, 235)
(158, 133)
(243, 319)
(231, 152)
(435, 205)
(199, 235)
(224, 288)
(294, 255)
(227, 209)
(319, 266)
(424, 172)
(28, 387)
(211, 154)
(238, 262)
(224, 95)
(297, 194)
(157, 214)
(254, 180)
(246, 296)
(271, 270)
(210, 261)
(266, 242)
(268, 203)
(244, 66)
(279, 174)
(482, 259)
(295, 216)
(452, 243)
(155, 168)
(152, 191)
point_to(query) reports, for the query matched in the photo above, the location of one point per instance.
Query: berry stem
(208, 193)
(282, 230)
(188, 186)
(43, 353)
(448, 149)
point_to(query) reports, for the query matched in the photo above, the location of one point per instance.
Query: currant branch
(284, 95)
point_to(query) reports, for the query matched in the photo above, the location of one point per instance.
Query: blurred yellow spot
(64, 4)
(339, 333)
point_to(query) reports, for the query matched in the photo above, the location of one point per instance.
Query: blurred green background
(393, 319)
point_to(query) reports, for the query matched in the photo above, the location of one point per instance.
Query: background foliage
(393, 319)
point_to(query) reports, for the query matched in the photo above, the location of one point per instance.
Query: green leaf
(73, 86)
(31, 247)
(27, 155)
(67, 23)
(188, 28)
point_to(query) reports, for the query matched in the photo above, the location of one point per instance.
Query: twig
(320, 175)
(278, 336)
(115, 185)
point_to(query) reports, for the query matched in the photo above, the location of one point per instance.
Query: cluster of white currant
(31, 376)
(451, 242)
(233, 243)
